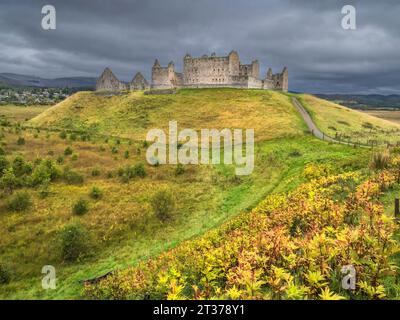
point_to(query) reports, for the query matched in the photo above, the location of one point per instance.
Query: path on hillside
(315, 131)
(309, 122)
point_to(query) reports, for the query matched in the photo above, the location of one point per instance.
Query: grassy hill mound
(132, 114)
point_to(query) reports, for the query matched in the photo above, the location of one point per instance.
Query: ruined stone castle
(202, 72)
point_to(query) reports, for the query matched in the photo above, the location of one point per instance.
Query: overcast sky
(304, 35)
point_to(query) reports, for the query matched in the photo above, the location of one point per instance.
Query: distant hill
(371, 101)
(19, 80)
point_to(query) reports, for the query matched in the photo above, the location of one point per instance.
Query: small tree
(74, 241)
(163, 204)
(20, 141)
(80, 207)
(63, 135)
(8, 181)
(96, 193)
(139, 170)
(68, 151)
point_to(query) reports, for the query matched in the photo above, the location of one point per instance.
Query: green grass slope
(345, 123)
(122, 224)
(132, 114)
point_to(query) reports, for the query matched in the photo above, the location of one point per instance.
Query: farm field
(20, 113)
(90, 160)
(389, 115)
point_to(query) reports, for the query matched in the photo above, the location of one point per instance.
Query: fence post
(397, 208)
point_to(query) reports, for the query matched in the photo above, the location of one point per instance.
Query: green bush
(4, 164)
(60, 160)
(96, 193)
(68, 151)
(19, 202)
(63, 135)
(72, 177)
(180, 169)
(21, 167)
(74, 157)
(72, 137)
(126, 154)
(114, 150)
(5, 274)
(163, 204)
(95, 172)
(2, 152)
(46, 170)
(80, 207)
(20, 141)
(130, 172)
(8, 181)
(74, 241)
(139, 170)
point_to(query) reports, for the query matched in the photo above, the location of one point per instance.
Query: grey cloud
(128, 35)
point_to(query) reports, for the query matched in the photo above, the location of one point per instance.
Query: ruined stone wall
(206, 71)
(139, 82)
(202, 72)
(109, 82)
(160, 78)
(254, 83)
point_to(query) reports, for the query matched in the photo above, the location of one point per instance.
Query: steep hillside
(54, 173)
(345, 123)
(271, 114)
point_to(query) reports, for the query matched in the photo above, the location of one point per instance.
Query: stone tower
(234, 63)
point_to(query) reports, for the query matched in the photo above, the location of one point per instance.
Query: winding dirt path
(315, 131)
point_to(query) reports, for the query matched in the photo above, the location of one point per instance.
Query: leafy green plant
(5, 274)
(20, 141)
(68, 151)
(63, 135)
(72, 177)
(21, 201)
(80, 207)
(180, 169)
(74, 242)
(163, 204)
(96, 193)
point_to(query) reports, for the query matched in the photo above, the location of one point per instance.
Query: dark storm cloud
(128, 35)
